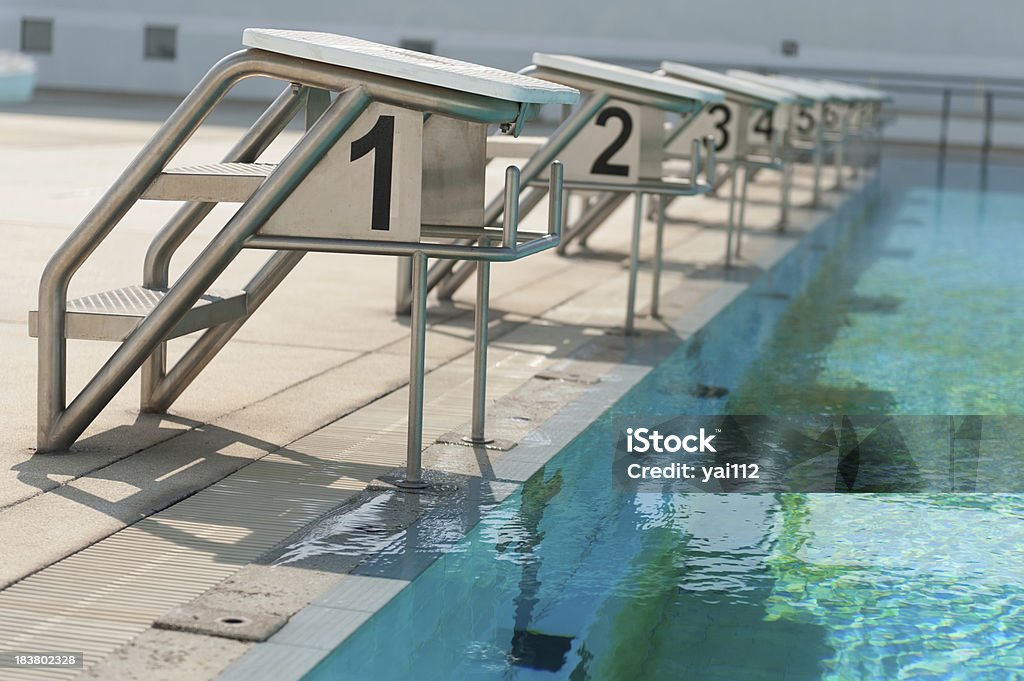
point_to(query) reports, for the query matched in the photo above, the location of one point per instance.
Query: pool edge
(281, 658)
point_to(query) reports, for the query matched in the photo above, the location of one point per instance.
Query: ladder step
(212, 183)
(112, 315)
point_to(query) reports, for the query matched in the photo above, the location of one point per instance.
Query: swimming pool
(915, 311)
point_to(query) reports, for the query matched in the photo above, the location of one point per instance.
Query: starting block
(612, 144)
(391, 163)
(866, 119)
(807, 130)
(750, 129)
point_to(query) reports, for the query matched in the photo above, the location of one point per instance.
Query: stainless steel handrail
(66, 424)
(94, 228)
(617, 193)
(511, 244)
(444, 274)
(59, 424)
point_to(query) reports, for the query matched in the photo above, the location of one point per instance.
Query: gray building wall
(99, 46)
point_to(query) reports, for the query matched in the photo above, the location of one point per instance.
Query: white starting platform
(391, 163)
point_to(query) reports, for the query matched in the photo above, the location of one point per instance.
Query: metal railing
(939, 96)
(307, 84)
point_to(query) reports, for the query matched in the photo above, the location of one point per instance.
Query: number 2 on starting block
(620, 145)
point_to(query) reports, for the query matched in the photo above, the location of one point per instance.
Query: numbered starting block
(828, 116)
(611, 145)
(816, 120)
(837, 115)
(866, 121)
(852, 113)
(391, 163)
(751, 131)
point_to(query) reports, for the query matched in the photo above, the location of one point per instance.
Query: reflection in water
(914, 313)
(530, 647)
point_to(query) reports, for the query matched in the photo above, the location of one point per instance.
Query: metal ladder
(143, 318)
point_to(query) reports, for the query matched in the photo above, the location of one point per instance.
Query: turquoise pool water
(914, 311)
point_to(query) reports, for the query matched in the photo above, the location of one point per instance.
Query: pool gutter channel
(577, 378)
(291, 615)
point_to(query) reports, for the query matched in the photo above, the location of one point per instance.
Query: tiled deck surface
(302, 410)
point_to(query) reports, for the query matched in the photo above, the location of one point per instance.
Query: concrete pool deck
(299, 414)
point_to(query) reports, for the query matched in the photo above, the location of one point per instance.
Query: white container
(17, 77)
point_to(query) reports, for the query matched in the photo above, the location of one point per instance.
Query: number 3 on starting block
(719, 121)
(368, 186)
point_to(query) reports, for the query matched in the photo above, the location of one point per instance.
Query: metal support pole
(566, 200)
(731, 224)
(481, 319)
(659, 248)
(862, 137)
(947, 96)
(819, 158)
(510, 221)
(742, 159)
(840, 153)
(743, 208)
(403, 284)
(879, 139)
(661, 207)
(417, 358)
(711, 164)
(634, 263)
(874, 133)
(787, 183)
(986, 146)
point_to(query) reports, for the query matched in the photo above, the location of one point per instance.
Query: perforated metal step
(112, 315)
(212, 183)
